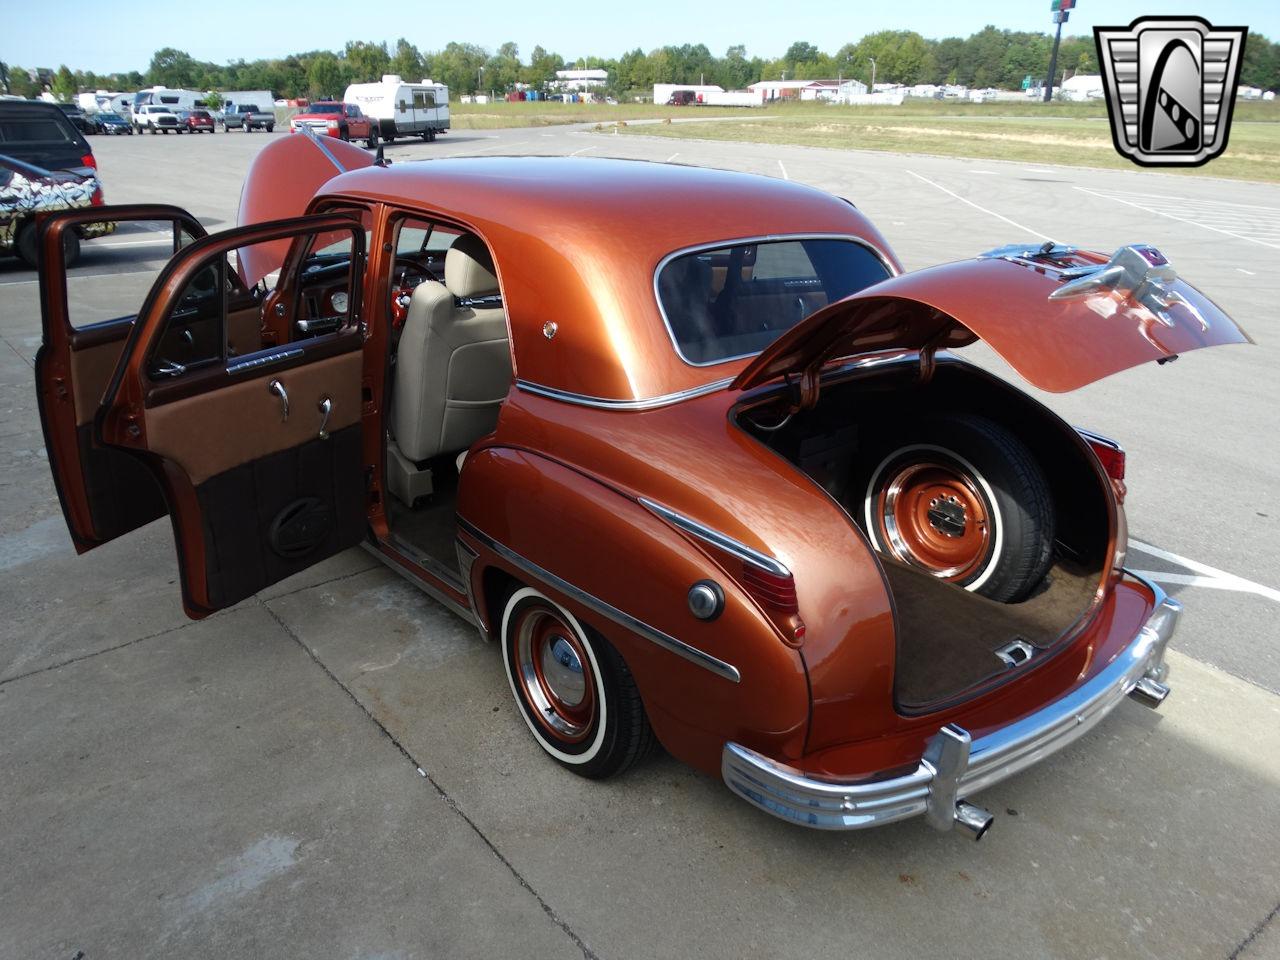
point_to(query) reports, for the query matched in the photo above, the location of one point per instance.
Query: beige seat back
(453, 368)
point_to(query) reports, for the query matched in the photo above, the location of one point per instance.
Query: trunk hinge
(804, 391)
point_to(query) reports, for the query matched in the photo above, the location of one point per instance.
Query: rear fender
(586, 545)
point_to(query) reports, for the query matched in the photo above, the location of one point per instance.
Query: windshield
(730, 302)
(323, 108)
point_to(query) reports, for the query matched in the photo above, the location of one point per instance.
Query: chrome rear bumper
(954, 765)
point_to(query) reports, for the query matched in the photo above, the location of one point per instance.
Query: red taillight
(97, 199)
(776, 590)
(1109, 453)
(88, 161)
(776, 593)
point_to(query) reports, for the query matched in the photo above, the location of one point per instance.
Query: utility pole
(1061, 13)
(873, 74)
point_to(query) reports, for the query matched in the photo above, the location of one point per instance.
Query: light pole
(479, 80)
(873, 74)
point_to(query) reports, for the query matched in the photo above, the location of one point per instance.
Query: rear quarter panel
(609, 546)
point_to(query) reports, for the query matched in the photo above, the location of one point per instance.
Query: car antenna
(379, 160)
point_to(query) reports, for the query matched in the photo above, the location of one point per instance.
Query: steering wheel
(406, 275)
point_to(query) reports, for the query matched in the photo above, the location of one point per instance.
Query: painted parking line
(990, 213)
(583, 150)
(1201, 575)
(80, 276)
(1244, 225)
(785, 175)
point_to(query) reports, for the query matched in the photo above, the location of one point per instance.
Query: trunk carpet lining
(947, 636)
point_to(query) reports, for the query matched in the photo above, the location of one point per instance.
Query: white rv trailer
(403, 109)
(171, 97)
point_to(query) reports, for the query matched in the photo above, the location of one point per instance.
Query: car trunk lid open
(1061, 317)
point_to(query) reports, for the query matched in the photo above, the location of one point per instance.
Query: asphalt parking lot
(333, 768)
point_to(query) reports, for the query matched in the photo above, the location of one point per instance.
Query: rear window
(730, 302)
(323, 108)
(48, 129)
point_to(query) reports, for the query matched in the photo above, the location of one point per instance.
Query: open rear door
(259, 454)
(104, 492)
(1061, 317)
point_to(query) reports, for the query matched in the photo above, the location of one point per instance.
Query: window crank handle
(326, 407)
(276, 388)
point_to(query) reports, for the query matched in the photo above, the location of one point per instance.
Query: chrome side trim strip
(718, 539)
(771, 238)
(256, 360)
(607, 403)
(609, 612)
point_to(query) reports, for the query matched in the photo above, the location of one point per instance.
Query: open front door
(104, 492)
(259, 453)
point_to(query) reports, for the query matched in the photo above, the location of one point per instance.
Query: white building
(580, 79)
(1083, 86)
(804, 89)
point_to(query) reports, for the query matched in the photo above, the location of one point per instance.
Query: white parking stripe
(80, 276)
(991, 213)
(1118, 198)
(1207, 576)
(785, 175)
(583, 150)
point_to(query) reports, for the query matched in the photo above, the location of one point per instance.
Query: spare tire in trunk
(961, 497)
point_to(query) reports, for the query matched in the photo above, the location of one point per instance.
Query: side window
(120, 262)
(231, 308)
(420, 252)
(419, 102)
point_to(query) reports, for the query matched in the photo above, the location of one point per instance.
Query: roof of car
(577, 241)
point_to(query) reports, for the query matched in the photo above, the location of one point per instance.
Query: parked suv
(41, 134)
(152, 117)
(346, 121)
(247, 117)
(81, 120)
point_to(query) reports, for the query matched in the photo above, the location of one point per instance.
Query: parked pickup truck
(247, 117)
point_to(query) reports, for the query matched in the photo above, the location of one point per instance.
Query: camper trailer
(403, 109)
(171, 97)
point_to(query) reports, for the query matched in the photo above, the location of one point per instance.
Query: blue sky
(112, 35)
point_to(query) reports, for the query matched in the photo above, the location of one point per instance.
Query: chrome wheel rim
(554, 674)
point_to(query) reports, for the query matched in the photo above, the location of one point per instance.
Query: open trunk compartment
(952, 642)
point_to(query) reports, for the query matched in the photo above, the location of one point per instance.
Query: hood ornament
(1138, 272)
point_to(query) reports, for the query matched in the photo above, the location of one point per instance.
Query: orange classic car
(689, 446)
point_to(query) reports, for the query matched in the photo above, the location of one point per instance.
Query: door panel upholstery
(319, 483)
(242, 421)
(121, 492)
(274, 497)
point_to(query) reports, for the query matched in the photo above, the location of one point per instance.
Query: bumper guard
(954, 765)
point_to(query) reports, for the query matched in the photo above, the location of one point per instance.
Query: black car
(82, 121)
(112, 123)
(41, 134)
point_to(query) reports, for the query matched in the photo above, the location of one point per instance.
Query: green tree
(407, 61)
(172, 68)
(366, 62)
(1261, 65)
(64, 85)
(325, 76)
(212, 100)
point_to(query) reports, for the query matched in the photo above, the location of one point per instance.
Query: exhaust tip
(1150, 693)
(974, 819)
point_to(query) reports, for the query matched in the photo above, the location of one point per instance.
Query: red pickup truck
(345, 121)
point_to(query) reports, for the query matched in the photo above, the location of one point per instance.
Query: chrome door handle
(326, 407)
(276, 388)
